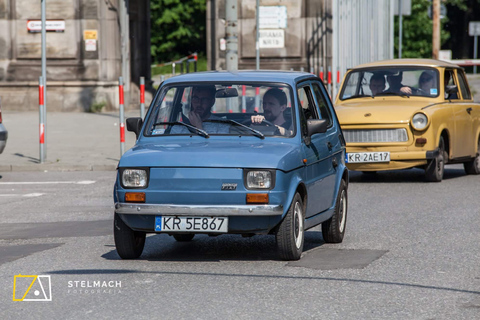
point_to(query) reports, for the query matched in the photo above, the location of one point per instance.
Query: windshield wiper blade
(191, 128)
(255, 132)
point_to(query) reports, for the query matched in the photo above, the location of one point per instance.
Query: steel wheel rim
(298, 225)
(342, 210)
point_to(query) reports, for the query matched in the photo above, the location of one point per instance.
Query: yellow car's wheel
(473, 167)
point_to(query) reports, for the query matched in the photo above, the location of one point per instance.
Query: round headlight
(419, 121)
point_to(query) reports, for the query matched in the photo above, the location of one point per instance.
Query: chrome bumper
(198, 210)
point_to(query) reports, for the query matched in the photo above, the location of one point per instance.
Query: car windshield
(402, 81)
(222, 109)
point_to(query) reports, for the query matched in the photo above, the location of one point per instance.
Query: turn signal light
(135, 197)
(257, 198)
(421, 140)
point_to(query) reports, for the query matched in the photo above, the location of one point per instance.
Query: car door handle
(329, 145)
(469, 110)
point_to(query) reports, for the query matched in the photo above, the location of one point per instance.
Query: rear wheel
(290, 233)
(333, 230)
(436, 166)
(184, 237)
(473, 167)
(129, 243)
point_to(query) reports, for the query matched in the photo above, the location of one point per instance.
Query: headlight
(419, 121)
(260, 179)
(134, 178)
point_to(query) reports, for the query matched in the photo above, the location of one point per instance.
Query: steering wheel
(264, 122)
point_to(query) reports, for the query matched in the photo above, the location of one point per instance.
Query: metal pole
(122, 117)
(41, 103)
(257, 36)
(400, 25)
(44, 73)
(475, 44)
(142, 97)
(231, 35)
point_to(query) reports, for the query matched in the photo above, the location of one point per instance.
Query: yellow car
(405, 113)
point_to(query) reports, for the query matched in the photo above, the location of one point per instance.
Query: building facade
(84, 52)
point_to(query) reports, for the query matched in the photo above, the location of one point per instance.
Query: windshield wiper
(255, 132)
(392, 94)
(191, 128)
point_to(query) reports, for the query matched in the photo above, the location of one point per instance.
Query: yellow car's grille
(375, 135)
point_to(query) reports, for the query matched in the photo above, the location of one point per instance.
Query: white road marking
(49, 182)
(29, 195)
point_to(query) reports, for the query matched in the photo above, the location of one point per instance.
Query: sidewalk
(74, 141)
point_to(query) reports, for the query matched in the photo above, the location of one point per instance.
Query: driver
(274, 105)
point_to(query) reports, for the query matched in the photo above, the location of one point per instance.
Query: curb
(56, 167)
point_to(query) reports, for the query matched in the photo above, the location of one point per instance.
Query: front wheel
(291, 232)
(473, 166)
(333, 230)
(436, 166)
(129, 243)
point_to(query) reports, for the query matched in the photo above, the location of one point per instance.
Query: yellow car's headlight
(419, 121)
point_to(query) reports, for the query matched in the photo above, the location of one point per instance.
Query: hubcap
(343, 210)
(298, 225)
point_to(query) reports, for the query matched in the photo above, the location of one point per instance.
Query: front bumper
(198, 210)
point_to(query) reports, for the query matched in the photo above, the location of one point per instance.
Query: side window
(306, 103)
(450, 81)
(322, 104)
(462, 82)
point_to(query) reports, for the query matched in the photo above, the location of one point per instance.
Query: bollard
(321, 73)
(41, 106)
(122, 117)
(244, 99)
(195, 63)
(142, 97)
(330, 81)
(257, 99)
(311, 70)
(173, 68)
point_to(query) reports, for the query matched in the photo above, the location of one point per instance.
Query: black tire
(473, 167)
(333, 230)
(184, 237)
(290, 235)
(369, 173)
(129, 243)
(436, 166)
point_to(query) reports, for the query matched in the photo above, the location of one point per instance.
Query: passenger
(274, 106)
(377, 84)
(426, 84)
(202, 101)
(395, 84)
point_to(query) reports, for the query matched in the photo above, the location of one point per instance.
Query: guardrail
(187, 60)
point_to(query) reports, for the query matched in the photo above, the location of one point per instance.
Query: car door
(318, 152)
(462, 137)
(471, 110)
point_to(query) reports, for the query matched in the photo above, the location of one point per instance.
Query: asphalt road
(410, 252)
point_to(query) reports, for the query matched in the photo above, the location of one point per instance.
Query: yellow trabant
(405, 113)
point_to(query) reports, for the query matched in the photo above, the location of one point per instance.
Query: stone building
(84, 53)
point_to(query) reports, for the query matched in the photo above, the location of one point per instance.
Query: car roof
(267, 76)
(408, 62)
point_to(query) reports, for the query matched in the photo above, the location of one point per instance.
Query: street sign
(272, 38)
(51, 25)
(474, 28)
(273, 17)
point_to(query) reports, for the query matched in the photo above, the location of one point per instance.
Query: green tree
(177, 28)
(417, 32)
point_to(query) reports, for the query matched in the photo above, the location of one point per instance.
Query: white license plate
(191, 224)
(360, 157)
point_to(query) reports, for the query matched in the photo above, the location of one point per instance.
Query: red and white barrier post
(122, 116)
(142, 97)
(41, 109)
(330, 81)
(257, 99)
(321, 74)
(244, 99)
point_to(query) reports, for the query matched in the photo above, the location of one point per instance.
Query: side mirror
(135, 125)
(316, 126)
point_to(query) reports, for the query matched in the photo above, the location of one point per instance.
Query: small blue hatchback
(247, 152)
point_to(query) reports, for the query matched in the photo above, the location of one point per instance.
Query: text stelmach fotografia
(94, 287)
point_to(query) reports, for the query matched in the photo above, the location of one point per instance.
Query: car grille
(375, 135)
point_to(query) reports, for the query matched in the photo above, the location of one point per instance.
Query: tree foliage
(177, 28)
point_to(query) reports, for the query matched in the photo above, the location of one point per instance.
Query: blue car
(247, 152)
